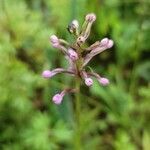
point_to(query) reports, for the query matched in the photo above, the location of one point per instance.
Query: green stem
(134, 79)
(78, 111)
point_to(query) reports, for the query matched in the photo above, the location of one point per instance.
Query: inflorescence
(78, 56)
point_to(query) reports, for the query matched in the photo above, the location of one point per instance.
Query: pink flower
(110, 44)
(47, 74)
(72, 54)
(104, 41)
(90, 17)
(97, 48)
(88, 81)
(107, 43)
(57, 99)
(55, 41)
(78, 55)
(104, 81)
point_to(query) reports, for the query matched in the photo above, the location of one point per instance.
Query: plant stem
(134, 79)
(78, 111)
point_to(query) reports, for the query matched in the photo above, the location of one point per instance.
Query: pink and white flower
(90, 17)
(72, 54)
(88, 81)
(78, 56)
(103, 81)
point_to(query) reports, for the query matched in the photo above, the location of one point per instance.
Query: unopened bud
(73, 27)
(88, 81)
(72, 54)
(90, 17)
(104, 81)
(75, 24)
(110, 43)
(47, 74)
(54, 40)
(104, 41)
(57, 99)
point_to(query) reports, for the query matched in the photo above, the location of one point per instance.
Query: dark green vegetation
(116, 117)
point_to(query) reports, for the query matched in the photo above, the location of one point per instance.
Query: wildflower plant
(78, 56)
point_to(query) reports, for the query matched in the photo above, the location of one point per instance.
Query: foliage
(112, 117)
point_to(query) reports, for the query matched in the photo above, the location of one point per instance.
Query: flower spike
(78, 56)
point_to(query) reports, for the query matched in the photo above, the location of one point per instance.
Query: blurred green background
(116, 117)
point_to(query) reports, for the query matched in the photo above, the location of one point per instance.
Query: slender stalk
(78, 111)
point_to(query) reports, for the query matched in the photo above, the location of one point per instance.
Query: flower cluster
(78, 56)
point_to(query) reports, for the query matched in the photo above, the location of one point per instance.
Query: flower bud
(104, 41)
(47, 74)
(90, 17)
(110, 43)
(73, 27)
(54, 41)
(57, 99)
(75, 24)
(88, 81)
(104, 81)
(72, 54)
